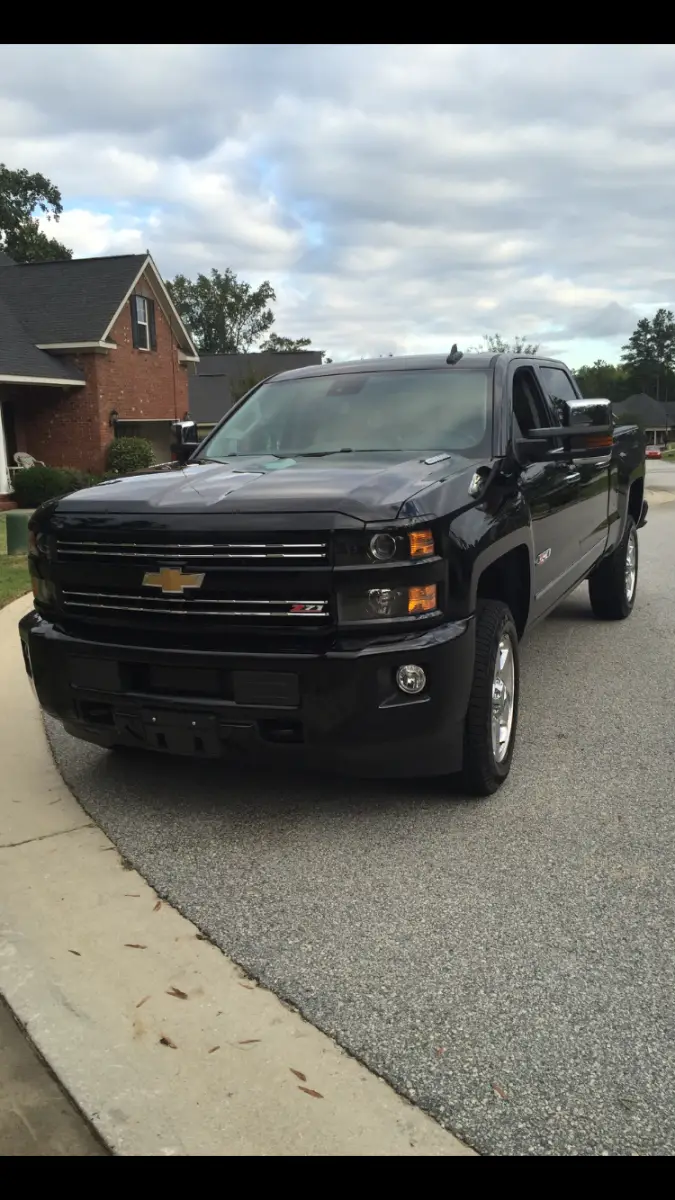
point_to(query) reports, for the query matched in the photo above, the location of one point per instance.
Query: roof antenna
(454, 356)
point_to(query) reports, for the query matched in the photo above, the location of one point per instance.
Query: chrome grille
(72, 550)
(204, 606)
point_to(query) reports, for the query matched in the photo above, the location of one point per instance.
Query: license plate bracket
(193, 734)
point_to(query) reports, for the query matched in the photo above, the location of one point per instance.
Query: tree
(604, 380)
(494, 343)
(21, 196)
(224, 314)
(285, 345)
(649, 354)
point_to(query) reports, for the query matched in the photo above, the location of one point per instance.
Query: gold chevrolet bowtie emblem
(171, 580)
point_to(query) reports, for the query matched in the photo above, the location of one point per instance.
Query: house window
(143, 323)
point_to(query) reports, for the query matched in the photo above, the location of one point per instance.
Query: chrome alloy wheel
(503, 698)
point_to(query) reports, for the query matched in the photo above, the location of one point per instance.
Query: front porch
(45, 421)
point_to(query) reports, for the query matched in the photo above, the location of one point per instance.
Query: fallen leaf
(499, 1091)
(248, 1041)
(142, 1002)
(174, 991)
(311, 1092)
(201, 937)
(157, 906)
(440, 1050)
(248, 986)
(298, 1074)
(76, 952)
(213, 1049)
(166, 1041)
(135, 946)
(134, 895)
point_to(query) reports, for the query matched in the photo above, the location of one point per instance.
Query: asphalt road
(660, 473)
(509, 964)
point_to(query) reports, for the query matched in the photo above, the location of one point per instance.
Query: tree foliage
(285, 345)
(647, 364)
(603, 380)
(494, 343)
(649, 354)
(22, 195)
(224, 314)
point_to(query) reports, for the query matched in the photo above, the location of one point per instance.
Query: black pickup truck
(341, 573)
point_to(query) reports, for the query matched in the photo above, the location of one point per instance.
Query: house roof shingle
(20, 358)
(68, 301)
(211, 388)
(652, 414)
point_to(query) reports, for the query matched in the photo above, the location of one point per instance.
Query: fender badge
(541, 558)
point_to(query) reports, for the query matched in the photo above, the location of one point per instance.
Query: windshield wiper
(322, 453)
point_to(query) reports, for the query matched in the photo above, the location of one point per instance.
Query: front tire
(613, 586)
(492, 715)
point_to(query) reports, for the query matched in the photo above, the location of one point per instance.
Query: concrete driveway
(509, 964)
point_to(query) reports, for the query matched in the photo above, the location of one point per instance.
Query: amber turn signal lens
(421, 543)
(422, 599)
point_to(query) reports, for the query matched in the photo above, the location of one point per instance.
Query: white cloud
(398, 197)
(90, 234)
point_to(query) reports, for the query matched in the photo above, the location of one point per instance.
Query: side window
(143, 326)
(559, 387)
(529, 409)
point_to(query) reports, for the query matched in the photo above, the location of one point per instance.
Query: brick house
(89, 348)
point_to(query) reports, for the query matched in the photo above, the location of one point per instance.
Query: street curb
(162, 1042)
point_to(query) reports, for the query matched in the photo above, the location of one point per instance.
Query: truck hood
(367, 486)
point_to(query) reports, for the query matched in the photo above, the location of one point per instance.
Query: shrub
(128, 454)
(37, 484)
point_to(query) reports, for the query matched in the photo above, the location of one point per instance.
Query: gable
(73, 304)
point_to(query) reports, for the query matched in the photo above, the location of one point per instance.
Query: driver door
(552, 492)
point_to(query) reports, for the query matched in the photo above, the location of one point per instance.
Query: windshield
(379, 410)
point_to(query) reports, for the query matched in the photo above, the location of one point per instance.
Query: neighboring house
(654, 416)
(220, 379)
(89, 348)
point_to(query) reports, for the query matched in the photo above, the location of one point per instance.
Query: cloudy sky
(399, 198)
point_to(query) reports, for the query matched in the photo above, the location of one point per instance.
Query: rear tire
(492, 715)
(613, 586)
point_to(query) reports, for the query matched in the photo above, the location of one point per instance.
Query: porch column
(4, 473)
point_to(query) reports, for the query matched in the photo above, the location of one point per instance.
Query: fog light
(382, 601)
(411, 679)
(383, 547)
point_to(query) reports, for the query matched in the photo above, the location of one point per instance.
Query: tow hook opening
(280, 731)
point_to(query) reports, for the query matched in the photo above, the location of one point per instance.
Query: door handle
(574, 477)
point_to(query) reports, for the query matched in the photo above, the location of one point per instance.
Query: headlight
(382, 547)
(387, 545)
(384, 603)
(37, 543)
(43, 591)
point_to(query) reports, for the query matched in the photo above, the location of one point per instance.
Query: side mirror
(587, 431)
(185, 440)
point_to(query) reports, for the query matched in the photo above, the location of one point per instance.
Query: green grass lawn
(14, 578)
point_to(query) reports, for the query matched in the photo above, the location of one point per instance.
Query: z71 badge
(541, 558)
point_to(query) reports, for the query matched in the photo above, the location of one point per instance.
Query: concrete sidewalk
(36, 1119)
(164, 1044)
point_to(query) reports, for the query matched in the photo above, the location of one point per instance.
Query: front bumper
(339, 709)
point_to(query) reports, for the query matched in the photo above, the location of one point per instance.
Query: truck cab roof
(418, 362)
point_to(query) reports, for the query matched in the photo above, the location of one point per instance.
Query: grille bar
(176, 605)
(191, 550)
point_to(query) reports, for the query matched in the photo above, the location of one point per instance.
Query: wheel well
(635, 498)
(508, 579)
